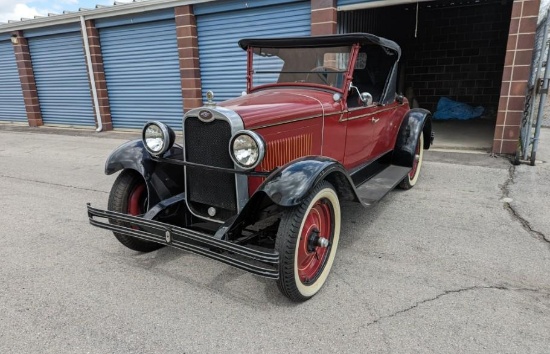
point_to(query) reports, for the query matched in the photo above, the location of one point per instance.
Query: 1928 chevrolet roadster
(258, 180)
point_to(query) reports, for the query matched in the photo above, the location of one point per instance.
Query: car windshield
(325, 66)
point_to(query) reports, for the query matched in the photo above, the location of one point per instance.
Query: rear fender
(415, 121)
(163, 180)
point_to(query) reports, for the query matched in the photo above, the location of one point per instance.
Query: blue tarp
(449, 109)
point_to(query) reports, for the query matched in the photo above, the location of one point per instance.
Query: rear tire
(129, 196)
(411, 179)
(304, 263)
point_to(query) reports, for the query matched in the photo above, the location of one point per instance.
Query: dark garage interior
(453, 49)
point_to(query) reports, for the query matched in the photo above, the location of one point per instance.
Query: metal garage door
(142, 71)
(12, 106)
(59, 66)
(222, 61)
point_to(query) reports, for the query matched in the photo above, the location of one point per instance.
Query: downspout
(91, 73)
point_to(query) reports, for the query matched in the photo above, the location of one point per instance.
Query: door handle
(375, 120)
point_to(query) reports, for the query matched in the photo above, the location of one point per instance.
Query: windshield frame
(343, 90)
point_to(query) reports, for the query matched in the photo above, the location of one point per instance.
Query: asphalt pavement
(458, 264)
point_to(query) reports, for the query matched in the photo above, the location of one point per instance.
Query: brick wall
(459, 53)
(323, 17)
(188, 48)
(517, 67)
(28, 84)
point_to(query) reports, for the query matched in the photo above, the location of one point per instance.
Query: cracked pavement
(530, 192)
(458, 264)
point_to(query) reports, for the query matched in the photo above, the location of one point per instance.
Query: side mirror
(366, 98)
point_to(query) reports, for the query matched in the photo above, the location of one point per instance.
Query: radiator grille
(208, 144)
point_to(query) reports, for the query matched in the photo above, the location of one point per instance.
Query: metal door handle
(375, 120)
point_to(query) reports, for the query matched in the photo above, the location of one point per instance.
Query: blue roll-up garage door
(12, 106)
(59, 66)
(142, 71)
(222, 61)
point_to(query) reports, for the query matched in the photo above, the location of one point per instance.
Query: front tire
(129, 196)
(307, 241)
(411, 179)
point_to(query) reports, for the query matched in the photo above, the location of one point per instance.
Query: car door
(368, 123)
(363, 126)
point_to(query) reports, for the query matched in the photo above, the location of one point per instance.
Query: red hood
(278, 105)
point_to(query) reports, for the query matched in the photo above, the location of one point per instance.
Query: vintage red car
(258, 180)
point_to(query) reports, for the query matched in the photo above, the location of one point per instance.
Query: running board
(381, 184)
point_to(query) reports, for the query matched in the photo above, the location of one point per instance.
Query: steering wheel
(322, 72)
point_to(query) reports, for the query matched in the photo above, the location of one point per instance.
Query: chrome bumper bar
(265, 264)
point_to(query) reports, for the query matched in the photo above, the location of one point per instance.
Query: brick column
(517, 68)
(99, 76)
(324, 17)
(188, 48)
(28, 84)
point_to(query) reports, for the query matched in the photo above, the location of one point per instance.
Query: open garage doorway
(451, 49)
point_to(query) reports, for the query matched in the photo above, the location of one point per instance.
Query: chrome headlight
(157, 138)
(246, 149)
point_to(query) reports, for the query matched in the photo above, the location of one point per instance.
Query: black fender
(291, 183)
(163, 180)
(415, 121)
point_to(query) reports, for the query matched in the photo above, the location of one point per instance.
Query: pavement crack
(449, 292)
(416, 304)
(505, 188)
(52, 184)
(526, 224)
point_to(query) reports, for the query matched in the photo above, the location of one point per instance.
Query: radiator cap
(210, 98)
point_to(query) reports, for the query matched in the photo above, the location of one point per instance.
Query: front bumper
(265, 264)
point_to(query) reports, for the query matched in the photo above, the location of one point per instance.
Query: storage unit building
(148, 58)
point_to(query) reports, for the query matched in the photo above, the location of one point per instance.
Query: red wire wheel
(129, 196)
(307, 240)
(137, 199)
(311, 257)
(413, 175)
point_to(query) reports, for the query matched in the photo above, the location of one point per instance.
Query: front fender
(163, 180)
(290, 184)
(415, 121)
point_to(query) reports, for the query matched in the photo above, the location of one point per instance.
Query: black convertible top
(321, 41)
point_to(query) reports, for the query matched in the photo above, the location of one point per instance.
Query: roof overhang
(101, 12)
(377, 3)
